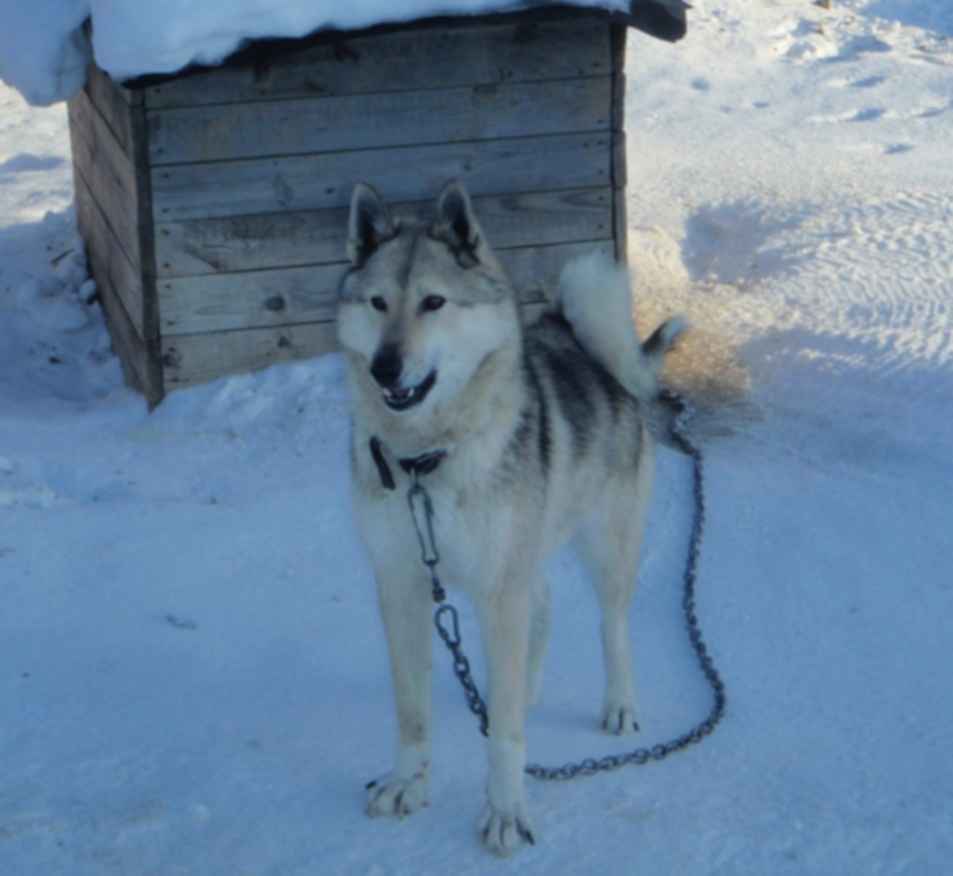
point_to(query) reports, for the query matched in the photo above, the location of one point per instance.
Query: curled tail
(595, 296)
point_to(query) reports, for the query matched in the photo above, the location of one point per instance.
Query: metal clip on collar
(421, 510)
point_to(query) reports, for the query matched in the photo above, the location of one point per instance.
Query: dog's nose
(386, 367)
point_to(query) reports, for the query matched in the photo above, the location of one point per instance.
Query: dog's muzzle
(400, 399)
(386, 370)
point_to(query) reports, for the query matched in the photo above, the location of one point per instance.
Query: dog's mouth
(404, 399)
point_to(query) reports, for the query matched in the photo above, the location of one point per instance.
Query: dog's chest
(470, 534)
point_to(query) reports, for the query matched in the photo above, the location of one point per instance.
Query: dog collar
(417, 466)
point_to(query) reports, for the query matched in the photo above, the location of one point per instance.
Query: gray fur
(542, 440)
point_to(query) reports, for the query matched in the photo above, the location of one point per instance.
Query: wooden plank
(139, 358)
(620, 231)
(406, 60)
(109, 172)
(617, 64)
(316, 182)
(617, 124)
(292, 127)
(619, 170)
(145, 224)
(115, 103)
(223, 302)
(112, 260)
(620, 226)
(193, 359)
(291, 296)
(273, 240)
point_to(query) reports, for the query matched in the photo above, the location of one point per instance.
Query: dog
(539, 434)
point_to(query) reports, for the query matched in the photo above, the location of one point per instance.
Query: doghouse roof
(44, 47)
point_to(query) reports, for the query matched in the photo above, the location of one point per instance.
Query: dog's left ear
(456, 225)
(370, 224)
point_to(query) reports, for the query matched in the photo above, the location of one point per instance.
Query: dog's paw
(392, 795)
(505, 833)
(619, 719)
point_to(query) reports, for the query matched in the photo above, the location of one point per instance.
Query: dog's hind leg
(405, 610)
(610, 542)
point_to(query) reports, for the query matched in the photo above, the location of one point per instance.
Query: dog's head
(422, 305)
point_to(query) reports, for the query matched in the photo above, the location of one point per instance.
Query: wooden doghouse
(213, 204)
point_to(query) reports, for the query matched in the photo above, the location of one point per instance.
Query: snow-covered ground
(192, 678)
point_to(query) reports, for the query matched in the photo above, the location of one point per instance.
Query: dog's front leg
(504, 621)
(405, 609)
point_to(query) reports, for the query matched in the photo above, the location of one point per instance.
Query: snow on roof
(44, 50)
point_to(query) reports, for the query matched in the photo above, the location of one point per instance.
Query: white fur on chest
(472, 535)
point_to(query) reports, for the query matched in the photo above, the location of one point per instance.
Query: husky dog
(540, 435)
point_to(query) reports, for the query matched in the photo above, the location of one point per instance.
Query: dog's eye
(379, 303)
(433, 302)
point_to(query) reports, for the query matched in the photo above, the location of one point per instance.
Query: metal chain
(445, 618)
(461, 666)
(703, 728)
(422, 512)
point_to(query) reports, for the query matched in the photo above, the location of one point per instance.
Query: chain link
(421, 510)
(447, 623)
(461, 666)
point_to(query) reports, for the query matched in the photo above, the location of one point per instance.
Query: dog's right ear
(456, 224)
(369, 225)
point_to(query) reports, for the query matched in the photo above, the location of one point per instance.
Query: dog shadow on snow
(720, 275)
(727, 250)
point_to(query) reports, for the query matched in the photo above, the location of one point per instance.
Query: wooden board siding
(373, 121)
(190, 359)
(109, 172)
(446, 56)
(114, 215)
(116, 279)
(618, 36)
(286, 296)
(326, 179)
(115, 104)
(241, 243)
(214, 204)
(112, 264)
